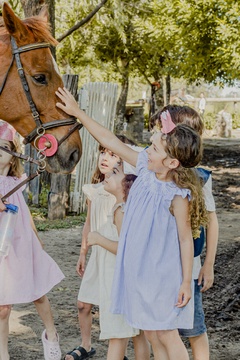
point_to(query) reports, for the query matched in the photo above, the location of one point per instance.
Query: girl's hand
(207, 276)
(71, 106)
(81, 265)
(2, 204)
(93, 238)
(184, 295)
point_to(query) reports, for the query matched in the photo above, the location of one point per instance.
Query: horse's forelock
(38, 27)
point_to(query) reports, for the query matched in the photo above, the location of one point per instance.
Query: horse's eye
(41, 79)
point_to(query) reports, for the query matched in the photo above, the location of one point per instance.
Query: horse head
(43, 80)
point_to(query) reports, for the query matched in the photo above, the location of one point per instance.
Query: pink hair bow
(167, 123)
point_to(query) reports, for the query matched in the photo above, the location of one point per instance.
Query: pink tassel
(167, 123)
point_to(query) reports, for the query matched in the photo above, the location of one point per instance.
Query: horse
(30, 39)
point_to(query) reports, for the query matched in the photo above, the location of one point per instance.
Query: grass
(42, 223)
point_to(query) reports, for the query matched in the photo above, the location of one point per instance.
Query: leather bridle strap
(52, 124)
(29, 178)
(21, 156)
(77, 125)
(15, 52)
(5, 79)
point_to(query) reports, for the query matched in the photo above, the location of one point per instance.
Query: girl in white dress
(114, 327)
(100, 203)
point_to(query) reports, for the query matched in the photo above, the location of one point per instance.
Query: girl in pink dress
(28, 272)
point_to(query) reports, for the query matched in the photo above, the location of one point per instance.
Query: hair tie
(167, 123)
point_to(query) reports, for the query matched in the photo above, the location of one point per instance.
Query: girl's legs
(45, 312)
(159, 350)
(200, 347)
(141, 347)
(116, 349)
(85, 323)
(4, 331)
(173, 344)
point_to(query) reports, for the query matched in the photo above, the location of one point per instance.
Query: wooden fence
(99, 101)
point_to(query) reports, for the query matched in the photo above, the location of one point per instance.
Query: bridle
(48, 141)
(41, 127)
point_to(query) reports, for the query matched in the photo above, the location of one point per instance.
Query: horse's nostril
(74, 157)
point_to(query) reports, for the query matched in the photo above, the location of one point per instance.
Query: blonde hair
(185, 145)
(16, 168)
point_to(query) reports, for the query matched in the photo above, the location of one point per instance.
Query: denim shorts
(199, 326)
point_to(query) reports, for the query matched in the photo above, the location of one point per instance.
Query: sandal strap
(75, 356)
(82, 351)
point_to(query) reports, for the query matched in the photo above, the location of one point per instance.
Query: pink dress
(28, 272)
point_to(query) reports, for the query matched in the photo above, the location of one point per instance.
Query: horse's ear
(44, 13)
(14, 25)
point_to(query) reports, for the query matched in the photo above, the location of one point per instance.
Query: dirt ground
(221, 302)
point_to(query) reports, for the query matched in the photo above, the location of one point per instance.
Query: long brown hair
(16, 168)
(185, 145)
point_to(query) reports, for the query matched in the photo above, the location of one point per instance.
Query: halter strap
(29, 47)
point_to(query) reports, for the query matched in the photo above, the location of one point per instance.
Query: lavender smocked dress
(148, 271)
(28, 272)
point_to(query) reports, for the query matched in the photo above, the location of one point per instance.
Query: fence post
(58, 197)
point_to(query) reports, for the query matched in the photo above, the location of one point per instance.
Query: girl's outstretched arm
(105, 137)
(180, 208)
(94, 238)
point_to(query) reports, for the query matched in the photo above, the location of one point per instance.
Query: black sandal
(84, 353)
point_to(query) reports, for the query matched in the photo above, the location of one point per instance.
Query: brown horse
(43, 81)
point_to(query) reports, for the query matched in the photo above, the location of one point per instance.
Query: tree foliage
(201, 38)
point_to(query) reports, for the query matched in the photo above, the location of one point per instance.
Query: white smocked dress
(111, 325)
(101, 204)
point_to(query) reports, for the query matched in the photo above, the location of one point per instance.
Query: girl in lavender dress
(153, 274)
(28, 272)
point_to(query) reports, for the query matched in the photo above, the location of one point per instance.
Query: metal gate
(99, 101)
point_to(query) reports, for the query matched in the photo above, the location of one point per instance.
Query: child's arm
(180, 209)
(34, 229)
(206, 273)
(94, 238)
(105, 137)
(84, 247)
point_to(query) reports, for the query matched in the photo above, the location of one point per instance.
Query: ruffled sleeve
(89, 189)
(171, 190)
(142, 161)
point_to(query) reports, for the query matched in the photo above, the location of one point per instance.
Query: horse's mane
(38, 27)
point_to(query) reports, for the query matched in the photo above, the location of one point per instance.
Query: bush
(209, 121)
(236, 121)
(146, 121)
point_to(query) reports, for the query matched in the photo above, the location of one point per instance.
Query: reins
(51, 144)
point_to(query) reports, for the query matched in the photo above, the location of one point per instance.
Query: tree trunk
(33, 7)
(159, 95)
(58, 197)
(121, 104)
(168, 89)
